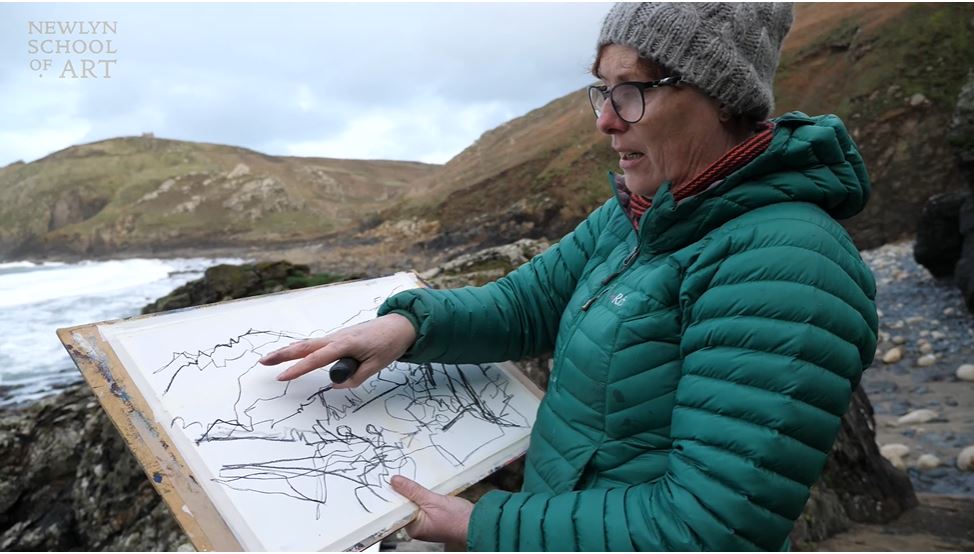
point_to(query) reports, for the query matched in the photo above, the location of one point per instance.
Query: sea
(38, 298)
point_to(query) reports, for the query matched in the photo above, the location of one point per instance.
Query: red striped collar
(736, 158)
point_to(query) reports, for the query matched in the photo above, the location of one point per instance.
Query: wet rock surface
(939, 523)
(68, 482)
(919, 400)
(939, 240)
(226, 282)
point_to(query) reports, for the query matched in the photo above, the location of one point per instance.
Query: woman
(709, 323)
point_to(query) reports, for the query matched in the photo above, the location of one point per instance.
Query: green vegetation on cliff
(145, 193)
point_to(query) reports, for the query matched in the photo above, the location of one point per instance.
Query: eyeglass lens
(627, 100)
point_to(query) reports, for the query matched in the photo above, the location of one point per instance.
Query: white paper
(289, 465)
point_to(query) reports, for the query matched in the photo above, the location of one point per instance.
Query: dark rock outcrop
(961, 130)
(226, 282)
(964, 272)
(961, 136)
(938, 238)
(945, 236)
(857, 485)
(68, 482)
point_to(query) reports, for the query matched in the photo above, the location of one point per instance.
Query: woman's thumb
(410, 489)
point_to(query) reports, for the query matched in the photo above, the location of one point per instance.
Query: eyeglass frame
(606, 92)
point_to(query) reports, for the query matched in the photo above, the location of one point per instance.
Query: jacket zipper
(625, 265)
(588, 303)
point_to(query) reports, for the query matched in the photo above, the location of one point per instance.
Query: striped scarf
(739, 156)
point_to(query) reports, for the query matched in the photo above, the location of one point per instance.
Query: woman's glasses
(627, 98)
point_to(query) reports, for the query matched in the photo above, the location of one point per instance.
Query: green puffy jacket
(701, 368)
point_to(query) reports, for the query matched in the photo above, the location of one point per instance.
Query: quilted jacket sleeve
(508, 319)
(779, 322)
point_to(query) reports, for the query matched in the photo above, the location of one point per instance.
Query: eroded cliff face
(893, 147)
(894, 73)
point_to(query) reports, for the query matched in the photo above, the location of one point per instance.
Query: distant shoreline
(326, 254)
(254, 253)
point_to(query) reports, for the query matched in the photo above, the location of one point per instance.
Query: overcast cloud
(373, 81)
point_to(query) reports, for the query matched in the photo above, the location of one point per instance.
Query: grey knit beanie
(728, 50)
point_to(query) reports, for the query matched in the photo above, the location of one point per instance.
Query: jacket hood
(810, 159)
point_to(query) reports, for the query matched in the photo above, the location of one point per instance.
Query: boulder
(68, 482)
(961, 136)
(960, 132)
(225, 282)
(938, 237)
(858, 485)
(964, 271)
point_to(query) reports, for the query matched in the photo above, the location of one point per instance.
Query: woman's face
(680, 132)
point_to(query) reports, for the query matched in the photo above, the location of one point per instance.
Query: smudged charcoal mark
(118, 391)
(89, 352)
(101, 362)
(617, 394)
(143, 425)
(157, 477)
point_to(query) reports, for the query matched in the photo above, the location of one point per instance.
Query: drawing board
(248, 462)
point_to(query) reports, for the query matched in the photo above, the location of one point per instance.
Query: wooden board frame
(152, 446)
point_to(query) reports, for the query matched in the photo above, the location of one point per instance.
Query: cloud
(390, 81)
(33, 122)
(430, 125)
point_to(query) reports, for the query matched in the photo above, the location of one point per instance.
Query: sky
(367, 81)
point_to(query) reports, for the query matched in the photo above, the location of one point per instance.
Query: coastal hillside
(143, 194)
(891, 71)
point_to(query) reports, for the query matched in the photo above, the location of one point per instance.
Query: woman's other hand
(375, 344)
(441, 518)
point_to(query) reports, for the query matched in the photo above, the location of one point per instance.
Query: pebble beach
(921, 383)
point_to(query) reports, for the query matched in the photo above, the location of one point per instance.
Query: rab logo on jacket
(619, 299)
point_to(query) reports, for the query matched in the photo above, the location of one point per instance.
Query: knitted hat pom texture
(730, 51)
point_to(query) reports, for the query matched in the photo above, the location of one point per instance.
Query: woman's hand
(375, 344)
(440, 519)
